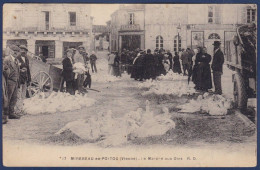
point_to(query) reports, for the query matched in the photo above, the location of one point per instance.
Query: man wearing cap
(12, 73)
(25, 75)
(93, 59)
(217, 66)
(79, 58)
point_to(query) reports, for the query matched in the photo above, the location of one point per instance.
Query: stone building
(101, 37)
(176, 26)
(49, 29)
(127, 27)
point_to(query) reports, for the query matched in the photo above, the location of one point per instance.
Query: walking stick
(92, 89)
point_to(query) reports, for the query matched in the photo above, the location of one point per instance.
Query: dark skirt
(201, 76)
(177, 67)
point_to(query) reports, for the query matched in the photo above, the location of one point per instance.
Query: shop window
(72, 18)
(159, 42)
(251, 15)
(214, 36)
(131, 19)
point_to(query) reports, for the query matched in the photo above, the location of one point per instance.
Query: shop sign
(130, 27)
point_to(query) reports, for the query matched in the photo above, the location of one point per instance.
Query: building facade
(47, 29)
(176, 26)
(101, 37)
(127, 28)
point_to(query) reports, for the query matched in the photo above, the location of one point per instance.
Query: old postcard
(129, 85)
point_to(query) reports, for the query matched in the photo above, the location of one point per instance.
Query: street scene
(123, 81)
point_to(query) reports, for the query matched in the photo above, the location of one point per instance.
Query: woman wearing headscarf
(195, 70)
(203, 73)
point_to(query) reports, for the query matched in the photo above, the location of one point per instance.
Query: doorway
(45, 51)
(47, 48)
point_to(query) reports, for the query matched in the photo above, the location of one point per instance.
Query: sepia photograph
(129, 85)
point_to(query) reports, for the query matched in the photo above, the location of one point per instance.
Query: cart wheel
(38, 58)
(240, 96)
(41, 82)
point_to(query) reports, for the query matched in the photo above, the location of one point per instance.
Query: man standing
(12, 74)
(25, 75)
(185, 61)
(170, 58)
(217, 67)
(67, 72)
(111, 60)
(149, 65)
(93, 59)
(79, 58)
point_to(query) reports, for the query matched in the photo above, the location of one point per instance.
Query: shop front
(45, 47)
(67, 45)
(131, 38)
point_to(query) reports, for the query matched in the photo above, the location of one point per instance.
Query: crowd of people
(16, 76)
(143, 64)
(75, 71)
(140, 64)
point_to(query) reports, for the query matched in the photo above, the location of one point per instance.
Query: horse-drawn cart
(45, 77)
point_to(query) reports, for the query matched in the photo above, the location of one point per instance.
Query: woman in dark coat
(161, 69)
(176, 63)
(203, 73)
(67, 73)
(138, 64)
(116, 66)
(149, 65)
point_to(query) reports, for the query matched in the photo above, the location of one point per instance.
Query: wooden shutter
(243, 11)
(217, 14)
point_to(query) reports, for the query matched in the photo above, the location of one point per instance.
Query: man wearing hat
(12, 73)
(217, 66)
(25, 74)
(93, 59)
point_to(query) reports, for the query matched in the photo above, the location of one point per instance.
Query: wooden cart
(241, 58)
(45, 77)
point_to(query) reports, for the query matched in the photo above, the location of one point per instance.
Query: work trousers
(185, 68)
(217, 81)
(70, 87)
(80, 81)
(93, 67)
(12, 89)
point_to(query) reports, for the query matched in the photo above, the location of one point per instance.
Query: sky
(102, 12)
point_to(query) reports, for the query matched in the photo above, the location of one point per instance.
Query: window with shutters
(251, 15)
(210, 14)
(72, 18)
(47, 19)
(159, 42)
(131, 19)
(214, 14)
(177, 43)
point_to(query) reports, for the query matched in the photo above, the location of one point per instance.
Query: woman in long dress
(176, 63)
(203, 73)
